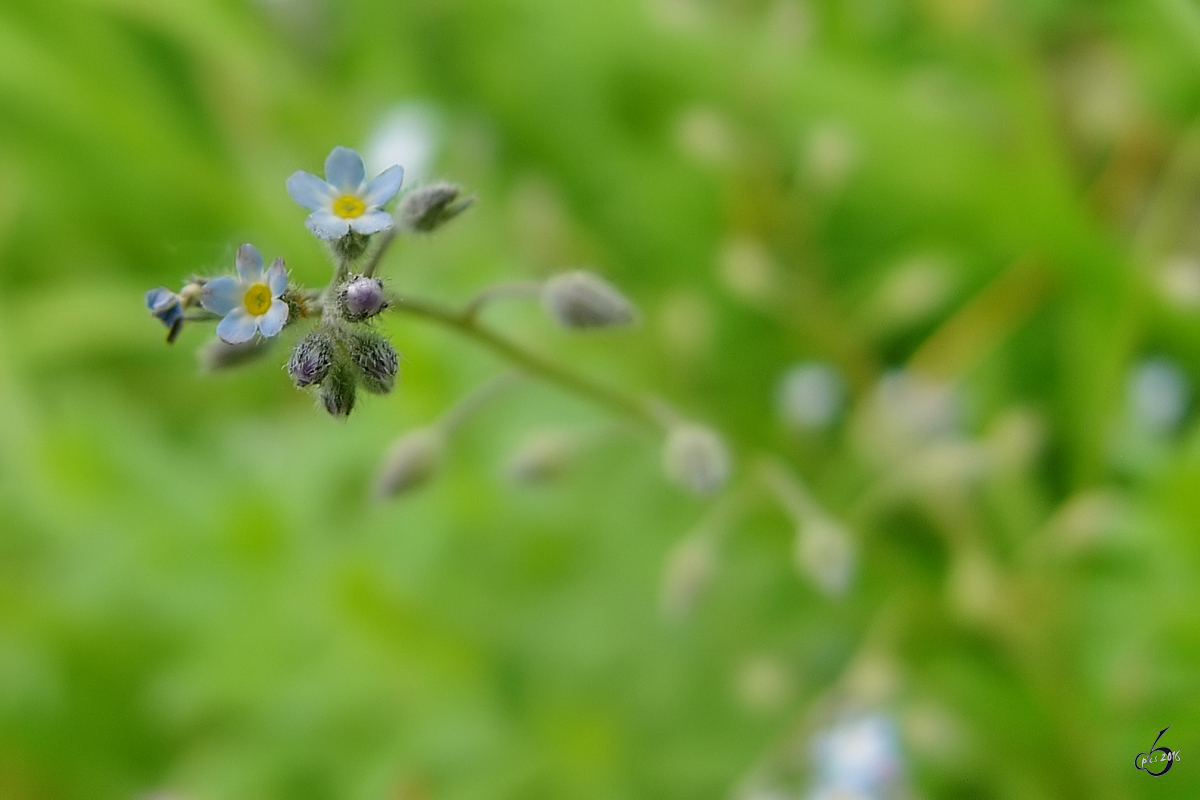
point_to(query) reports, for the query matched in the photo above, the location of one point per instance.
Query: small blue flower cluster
(342, 353)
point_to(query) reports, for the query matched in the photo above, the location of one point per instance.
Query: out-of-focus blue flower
(810, 395)
(250, 302)
(1159, 395)
(168, 308)
(344, 201)
(859, 757)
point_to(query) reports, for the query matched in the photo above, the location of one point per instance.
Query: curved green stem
(464, 322)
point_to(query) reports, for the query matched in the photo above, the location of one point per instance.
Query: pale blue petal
(277, 277)
(160, 298)
(373, 222)
(249, 263)
(237, 327)
(384, 187)
(344, 169)
(327, 225)
(221, 295)
(272, 322)
(310, 191)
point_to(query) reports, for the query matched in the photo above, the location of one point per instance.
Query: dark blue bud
(311, 359)
(168, 308)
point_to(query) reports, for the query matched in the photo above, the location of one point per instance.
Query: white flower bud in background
(811, 395)
(747, 271)
(686, 322)
(910, 292)
(934, 733)
(430, 207)
(695, 457)
(974, 587)
(1016, 438)
(826, 554)
(361, 298)
(376, 360)
(311, 359)
(1098, 96)
(705, 136)
(686, 575)
(541, 457)
(1087, 519)
(1179, 282)
(922, 407)
(763, 684)
(217, 355)
(410, 462)
(581, 300)
(829, 155)
(1158, 394)
(905, 413)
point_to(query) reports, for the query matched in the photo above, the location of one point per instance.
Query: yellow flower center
(257, 299)
(348, 207)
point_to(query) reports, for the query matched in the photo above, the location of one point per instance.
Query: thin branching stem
(375, 254)
(462, 321)
(468, 405)
(500, 291)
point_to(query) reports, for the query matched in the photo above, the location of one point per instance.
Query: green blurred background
(980, 215)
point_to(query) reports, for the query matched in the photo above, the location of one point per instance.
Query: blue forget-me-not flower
(250, 302)
(344, 201)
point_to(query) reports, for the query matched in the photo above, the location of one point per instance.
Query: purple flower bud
(311, 359)
(361, 298)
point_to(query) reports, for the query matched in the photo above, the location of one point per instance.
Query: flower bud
(696, 458)
(376, 360)
(338, 390)
(311, 359)
(810, 396)
(361, 298)
(687, 573)
(826, 554)
(411, 461)
(218, 355)
(167, 307)
(584, 300)
(428, 208)
(541, 458)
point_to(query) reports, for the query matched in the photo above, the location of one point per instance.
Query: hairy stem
(466, 407)
(498, 292)
(463, 322)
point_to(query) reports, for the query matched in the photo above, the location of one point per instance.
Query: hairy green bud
(430, 207)
(583, 300)
(376, 360)
(338, 390)
(411, 461)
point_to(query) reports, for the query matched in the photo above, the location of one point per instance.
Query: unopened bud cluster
(344, 354)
